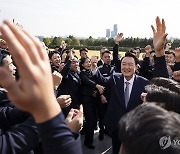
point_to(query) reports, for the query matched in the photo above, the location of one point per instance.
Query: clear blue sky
(92, 17)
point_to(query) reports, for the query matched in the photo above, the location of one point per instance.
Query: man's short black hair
(3, 54)
(166, 92)
(106, 51)
(153, 51)
(141, 130)
(170, 52)
(83, 49)
(51, 53)
(138, 49)
(130, 54)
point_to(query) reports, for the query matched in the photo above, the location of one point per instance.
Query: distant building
(115, 29)
(112, 34)
(108, 33)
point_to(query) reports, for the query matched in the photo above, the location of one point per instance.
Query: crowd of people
(49, 98)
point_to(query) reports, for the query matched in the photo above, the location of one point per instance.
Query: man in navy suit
(119, 103)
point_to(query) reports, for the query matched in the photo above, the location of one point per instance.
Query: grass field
(93, 53)
(96, 53)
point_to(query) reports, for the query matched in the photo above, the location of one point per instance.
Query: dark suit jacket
(70, 84)
(22, 138)
(116, 108)
(89, 82)
(57, 138)
(106, 71)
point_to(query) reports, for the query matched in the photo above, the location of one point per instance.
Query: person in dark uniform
(55, 60)
(18, 133)
(89, 92)
(71, 83)
(147, 66)
(106, 70)
(176, 69)
(100, 61)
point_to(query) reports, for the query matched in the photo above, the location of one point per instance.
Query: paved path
(102, 147)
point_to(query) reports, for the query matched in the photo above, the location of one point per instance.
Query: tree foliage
(90, 42)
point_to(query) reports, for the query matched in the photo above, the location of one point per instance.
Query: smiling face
(56, 59)
(3, 44)
(9, 64)
(83, 54)
(87, 64)
(106, 57)
(170, 58)
(128, 67)
(151, 58)
(74, 65)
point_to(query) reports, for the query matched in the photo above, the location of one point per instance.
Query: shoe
(89, 146)
(101, 136)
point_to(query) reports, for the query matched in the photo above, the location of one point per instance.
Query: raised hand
(64, 55)
(118, 38)
(33, 92)
(147, 50)
(159, 37)
(57, 78)
(71, 56)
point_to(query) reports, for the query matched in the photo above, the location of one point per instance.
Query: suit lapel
(120, 90)
(133, 91)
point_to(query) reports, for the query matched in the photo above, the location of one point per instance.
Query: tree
(75, 41)
(90, 41)
(56, 41)
(68, 41)
(47, 41)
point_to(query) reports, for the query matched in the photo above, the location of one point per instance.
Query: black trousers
(115, 142)
(101, 110)
(89, 107)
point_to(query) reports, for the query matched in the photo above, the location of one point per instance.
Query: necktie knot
(127, 83)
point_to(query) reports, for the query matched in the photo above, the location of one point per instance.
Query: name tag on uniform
(105, 74)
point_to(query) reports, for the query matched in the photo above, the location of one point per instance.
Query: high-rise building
(115, 29)
(112, 34)
(108, 33)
